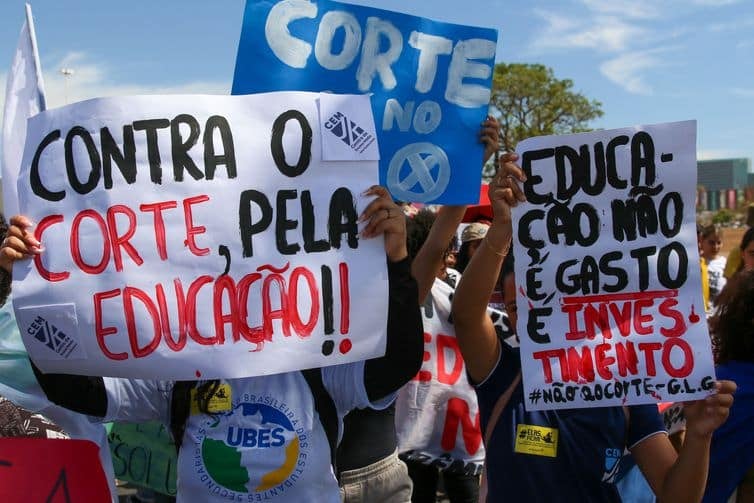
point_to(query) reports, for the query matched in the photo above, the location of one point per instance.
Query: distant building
(723, 183)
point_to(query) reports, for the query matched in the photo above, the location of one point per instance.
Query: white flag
(24, 97)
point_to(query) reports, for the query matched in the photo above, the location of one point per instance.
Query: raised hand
(703, 417)
(19, 242)
(385, 217)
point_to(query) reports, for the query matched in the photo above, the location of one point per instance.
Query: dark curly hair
(733, 324)
(417, 230)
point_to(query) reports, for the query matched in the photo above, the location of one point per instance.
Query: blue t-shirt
(732, 452)
(590, 443)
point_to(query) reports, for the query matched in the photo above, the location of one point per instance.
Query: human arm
(18, 243)
(82, 394)
(429, 258)
(78, 393)
(405, 339)
(682, 477)
(475, 332)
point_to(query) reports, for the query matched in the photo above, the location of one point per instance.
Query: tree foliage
(529, 100)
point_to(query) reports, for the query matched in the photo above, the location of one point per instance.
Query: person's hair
(748, 238)
(180, 404)
(712, 230)
(417, 230)
(463, 257)
(733, 324)
(508, 266)
(3, 226)
(750, 215)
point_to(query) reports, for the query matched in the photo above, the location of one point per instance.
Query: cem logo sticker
(52, 337)
(349, 132)
(612, 464)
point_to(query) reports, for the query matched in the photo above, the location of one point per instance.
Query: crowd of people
(354, 416)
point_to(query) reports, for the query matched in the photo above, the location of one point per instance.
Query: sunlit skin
(509, 299)
(711, 246)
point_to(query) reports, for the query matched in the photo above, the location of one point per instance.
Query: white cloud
(738, 24)
(89, 80)
(629, 70)
(719, 153)
(601, 33)
(714, 3)
(636, 9)
(742, 92)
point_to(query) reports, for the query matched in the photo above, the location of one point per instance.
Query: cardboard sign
(607, 269)
(430, 83)
(198, 237)
(33, 469)
(144, 454)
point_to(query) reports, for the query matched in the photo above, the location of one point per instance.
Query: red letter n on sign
(458, 414)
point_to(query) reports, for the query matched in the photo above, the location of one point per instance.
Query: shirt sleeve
(345, 383)
(405, 336)
(505, 371)
(644, 421)
(136, 400)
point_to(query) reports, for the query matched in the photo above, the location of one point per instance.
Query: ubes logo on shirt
(266, 436)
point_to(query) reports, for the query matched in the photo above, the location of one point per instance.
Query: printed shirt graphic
(269, 446)
(717, 280)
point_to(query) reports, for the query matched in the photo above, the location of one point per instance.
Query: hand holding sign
(505, 191)
(19, 242)
(430, 83)
(184, 240)
(610, 299)
(704, 416)
(385, 217)
(489, 136)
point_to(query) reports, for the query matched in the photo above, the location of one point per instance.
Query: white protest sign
(607, 269)
(197, 236)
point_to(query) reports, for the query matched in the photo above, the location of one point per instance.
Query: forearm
(479, 278)
(429, 259)
(687, 478)
(405, 336)
(82, 394)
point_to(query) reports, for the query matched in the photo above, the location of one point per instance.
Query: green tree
(529, 100)
(724, 216)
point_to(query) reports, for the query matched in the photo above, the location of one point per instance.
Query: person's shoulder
(506, 369)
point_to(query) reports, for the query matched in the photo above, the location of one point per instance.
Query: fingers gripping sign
(505, 191)
(384, 217)
(489, 136)
(19, 242)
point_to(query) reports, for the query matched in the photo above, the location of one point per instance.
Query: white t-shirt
(436, 414)
(268, 446)
(715, 269)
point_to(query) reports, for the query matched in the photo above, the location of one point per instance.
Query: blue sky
(646, 61)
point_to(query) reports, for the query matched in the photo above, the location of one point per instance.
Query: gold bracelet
(501, 253)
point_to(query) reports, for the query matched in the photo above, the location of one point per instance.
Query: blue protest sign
(430, 83)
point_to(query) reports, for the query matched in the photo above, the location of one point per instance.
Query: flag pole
(37, 65)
